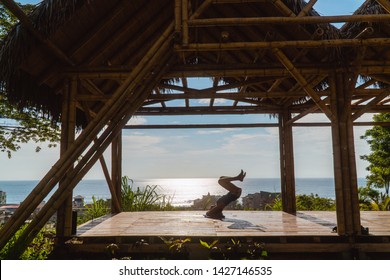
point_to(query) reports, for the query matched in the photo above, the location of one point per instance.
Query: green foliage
(177, 246)
(305, 202)
(22, 125)
(209, 245)
(378, 138)
(372, 199)
(98, 208)
(142, 199)
(236, 249)
(39, 249)
(27, 126)
(315, 203)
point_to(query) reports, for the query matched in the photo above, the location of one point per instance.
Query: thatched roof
(110, 37)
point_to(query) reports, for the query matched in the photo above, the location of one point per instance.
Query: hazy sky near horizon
(189, 153)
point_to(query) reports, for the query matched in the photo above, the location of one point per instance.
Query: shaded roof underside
(105, 40)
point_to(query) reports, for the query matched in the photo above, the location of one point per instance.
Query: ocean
(181, 191)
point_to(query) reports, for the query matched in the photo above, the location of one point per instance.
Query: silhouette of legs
(234, 193)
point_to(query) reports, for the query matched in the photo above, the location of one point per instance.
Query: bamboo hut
(94, 64)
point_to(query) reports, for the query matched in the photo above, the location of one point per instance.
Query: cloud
(216, 101)
(141, 144)
(137, 120)
(214, 131)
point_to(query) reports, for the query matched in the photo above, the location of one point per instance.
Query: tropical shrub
(39, 249)
(142, 199)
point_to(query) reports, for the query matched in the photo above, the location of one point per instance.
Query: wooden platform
(236, 223)
(306, 235)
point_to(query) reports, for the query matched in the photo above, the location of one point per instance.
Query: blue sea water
(181, 191)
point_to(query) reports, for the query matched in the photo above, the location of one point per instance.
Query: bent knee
(237, 192)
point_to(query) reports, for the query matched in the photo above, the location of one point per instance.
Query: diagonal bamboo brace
(302, 81)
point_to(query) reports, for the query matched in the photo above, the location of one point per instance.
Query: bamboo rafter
(302, 81)
(371, 104)
(385, 4)
(287, 20)
(208, 47)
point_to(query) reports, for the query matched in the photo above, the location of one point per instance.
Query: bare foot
(241, 176)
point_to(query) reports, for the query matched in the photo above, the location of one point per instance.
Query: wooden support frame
(90, 158)
(115, 203)
(385, 4)
(287, 174)
(371, 104)
(116, 170)
(346, 188)
(110, 110)
(302, 81)
(236, 46)
(68, 132)
(209, 22)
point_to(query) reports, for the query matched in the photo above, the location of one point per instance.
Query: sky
(189, 153)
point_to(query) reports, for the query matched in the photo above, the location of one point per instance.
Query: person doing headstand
(234, 193)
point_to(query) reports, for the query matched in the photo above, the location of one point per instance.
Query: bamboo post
(116, 168)
(86, 137)
(287, 163)
(68, 132)
(178, 17)
(348, 215)
(185, 33)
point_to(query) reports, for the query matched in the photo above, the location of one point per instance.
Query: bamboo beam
(244, 125)
(184, 18)
(228, 110)
(237, 1)
(307, 8)
(303, 114)
(302, 81)
(287, 20)
(385, 4)
(371, 104)
(114, 197)
(283, 8)
(227, 70)
(198, 126)
(26, 22)
(208, 47)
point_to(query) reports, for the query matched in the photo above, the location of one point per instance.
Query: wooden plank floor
(236, 223)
